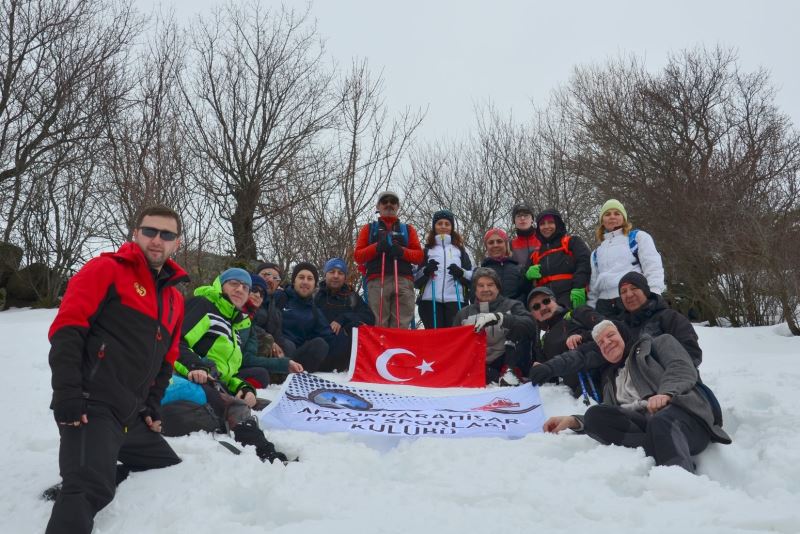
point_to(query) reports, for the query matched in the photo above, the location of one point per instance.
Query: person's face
(157, 249)
(542, 307)
(237, 292)
(271, 277)
(632, 297)
(496, 247)
(388, 206)
(334, 278)
(523, 221)
(611, 344)
(547, 227)
(443, 226)
(257, 297)
(486, 290)
(304, 283)
(613, 219)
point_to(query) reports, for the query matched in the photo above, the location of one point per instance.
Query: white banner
(310, 403)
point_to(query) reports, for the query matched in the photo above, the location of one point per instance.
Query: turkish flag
(438, 358)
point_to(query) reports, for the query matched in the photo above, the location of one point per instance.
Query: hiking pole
(433, 295)
(396, 294)
(383, 279)
(595, 396)
(583, 389)
(458, 294)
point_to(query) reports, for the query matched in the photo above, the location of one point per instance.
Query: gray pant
(389, 314)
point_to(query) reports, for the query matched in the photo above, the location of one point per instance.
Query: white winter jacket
(446, 254)
(613, 259)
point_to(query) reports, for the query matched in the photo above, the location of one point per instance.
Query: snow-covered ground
(541, 483)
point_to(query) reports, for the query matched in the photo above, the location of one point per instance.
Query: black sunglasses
(538, 305)
(151, 232)
(390, 200)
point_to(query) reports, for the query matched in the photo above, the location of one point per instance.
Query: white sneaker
(509, 379)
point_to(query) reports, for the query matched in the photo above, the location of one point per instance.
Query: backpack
(374, 228)
(182, 417)
(632, 244)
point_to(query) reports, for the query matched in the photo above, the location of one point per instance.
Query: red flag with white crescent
(441, 358)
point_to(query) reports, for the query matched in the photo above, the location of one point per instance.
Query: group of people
(550, 307)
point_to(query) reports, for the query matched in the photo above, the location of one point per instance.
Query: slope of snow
(346, 485)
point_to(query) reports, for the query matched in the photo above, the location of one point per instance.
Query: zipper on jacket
(101, 354)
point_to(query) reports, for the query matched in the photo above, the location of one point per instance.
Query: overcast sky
(448, 55)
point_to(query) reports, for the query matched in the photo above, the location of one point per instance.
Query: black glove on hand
(455, 271)
(397, 251)
(383, 245)
(69, 411)
(540, 374)
(431, 267)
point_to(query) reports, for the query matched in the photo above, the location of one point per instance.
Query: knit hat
(541, 290)
(521, 208)
(484, 272)
(444, 214)
(305, 266)
(258, 283)
(335, 263)
(269, 265)
(613, 204)
(388, 193)
(235, 273)
(493, 231)
(637, 280)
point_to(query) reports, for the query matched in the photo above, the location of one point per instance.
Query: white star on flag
(425, 367)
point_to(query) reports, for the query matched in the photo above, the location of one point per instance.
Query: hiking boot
(509, 379)
(52, 493)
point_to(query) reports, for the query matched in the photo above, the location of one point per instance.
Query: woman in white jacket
(447, 269)
(622, 249)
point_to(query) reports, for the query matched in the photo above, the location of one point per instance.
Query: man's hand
(384, 245)
(335, 327)
(397, 251)
(295, 367)
(540, 373)
(198, 376)
(554, 425)
(488, 319)
(657, 402)
(152, 418)
(277, 351)
(573, 341)
(71, 412)
(247, 396)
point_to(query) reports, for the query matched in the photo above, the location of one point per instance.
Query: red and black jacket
(115, 338)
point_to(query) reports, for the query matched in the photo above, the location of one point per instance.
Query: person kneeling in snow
(652, 397)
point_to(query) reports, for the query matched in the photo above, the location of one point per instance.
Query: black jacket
(575, 261)
(344, 306)
(655, 317)
(513, 283)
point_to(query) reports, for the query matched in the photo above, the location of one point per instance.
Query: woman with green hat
(621, 249)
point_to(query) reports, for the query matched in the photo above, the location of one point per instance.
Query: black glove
(431, 267)
(397, 251)
(69, 411)
(456, 271)
(383, 245)
(540, 374)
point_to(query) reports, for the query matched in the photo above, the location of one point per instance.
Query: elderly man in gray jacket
(652, 397)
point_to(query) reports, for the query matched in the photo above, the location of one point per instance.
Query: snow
(344, 484)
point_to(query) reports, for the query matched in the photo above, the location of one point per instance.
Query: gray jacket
(517, 323)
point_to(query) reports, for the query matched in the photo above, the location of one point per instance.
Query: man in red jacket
(392, 246)
(113, 346)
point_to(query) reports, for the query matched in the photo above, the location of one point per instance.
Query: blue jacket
(302, 320)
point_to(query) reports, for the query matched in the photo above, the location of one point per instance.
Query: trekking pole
(383, 279)
(458, 294)
(433, 295)
(595, 396)
(396, 294)
(583, 389)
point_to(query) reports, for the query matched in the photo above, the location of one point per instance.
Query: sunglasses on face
(390, 200)
(166, 235)
(535, 306)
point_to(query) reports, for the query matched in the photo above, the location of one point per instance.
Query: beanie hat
(493, 231)
(335, 263)
(637, 280)
(613, 204)
(486, 272)
(235, 273)
(258, 283)
(305, 266)
(268, 265)
(520, 208)
(444, 214)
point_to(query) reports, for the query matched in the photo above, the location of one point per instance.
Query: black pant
(610, 308)
(310, 354)
(258, 377)
(445, 313)
(671, 435)
(87, 459)
(338, 358)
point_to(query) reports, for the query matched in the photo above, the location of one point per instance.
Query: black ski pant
(445, 313)
(310, 354)
(609, 308)
(671, 436)
(87, 459)
(339, 348)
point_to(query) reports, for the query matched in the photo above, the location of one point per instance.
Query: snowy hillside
(344, 485)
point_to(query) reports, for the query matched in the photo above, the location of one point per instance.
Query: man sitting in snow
(652, 397)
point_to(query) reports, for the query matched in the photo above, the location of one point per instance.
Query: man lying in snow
(652, 397)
